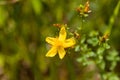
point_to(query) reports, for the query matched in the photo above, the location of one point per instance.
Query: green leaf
(93, 41)
(83, 39)
(93, 33)
(77, 48)
(112, 56)
(106, 45)
(100, 50)
(90, 54)
(112, 76)
(102, 65)
(113, 64)
(84, 47)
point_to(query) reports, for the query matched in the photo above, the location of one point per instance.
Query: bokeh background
(24, 25)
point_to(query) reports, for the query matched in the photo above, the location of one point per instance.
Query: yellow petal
(62, 34)
(69, 42)
(50, 40)
(61, 52)
(52, 52)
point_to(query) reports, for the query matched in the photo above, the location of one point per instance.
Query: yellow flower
(59, 44)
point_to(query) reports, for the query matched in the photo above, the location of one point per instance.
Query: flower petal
(62, 34)
(69, 42)
(50, 40)
(52, 52)
(61, 52)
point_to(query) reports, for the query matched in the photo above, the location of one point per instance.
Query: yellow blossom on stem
(59, 44)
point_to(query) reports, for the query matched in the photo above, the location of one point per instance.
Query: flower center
(59, 43)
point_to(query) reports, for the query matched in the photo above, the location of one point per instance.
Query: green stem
(82, 22)
(112, 18)
(53, 70)
(37, 72)
(70, 69)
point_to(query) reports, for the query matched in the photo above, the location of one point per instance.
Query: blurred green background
(25, 24)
